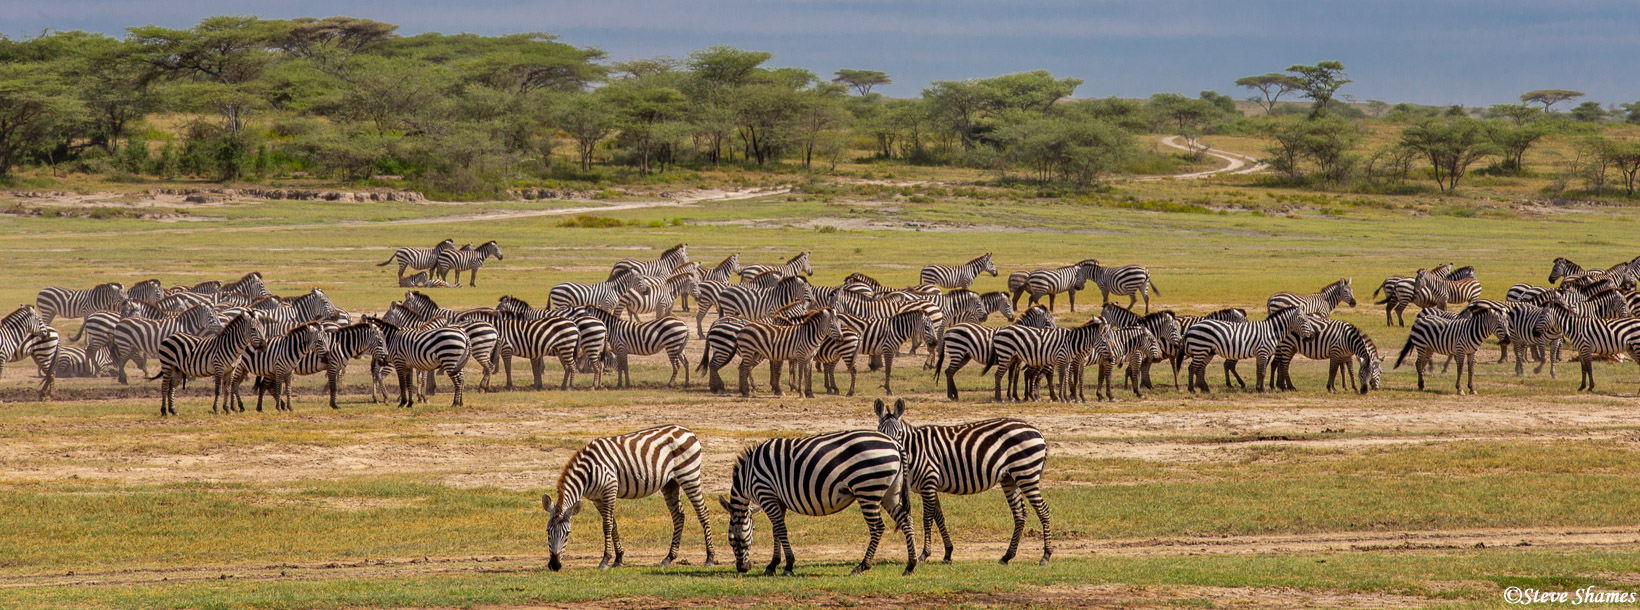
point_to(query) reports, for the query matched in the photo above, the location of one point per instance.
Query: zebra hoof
(857, 570)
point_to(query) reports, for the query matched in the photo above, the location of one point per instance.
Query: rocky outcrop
(272, 194)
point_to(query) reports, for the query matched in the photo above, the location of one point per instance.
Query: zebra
(346, 343)
(443, 349)
(1339, 343)
(660, 296)
(996, 302)
(54, 302)
(98, 331)
(719, 276)
(1608, 304)
(606, 295)
(1591, 337)
(590, 349)
(966, 342)
(1018, 347)
(720, 340)
(1527, 293)
(1131, 281)
(146, 290)
(1563, 267)
(1164, 326)
(1133, 347)
(797, 265)
(465, 260)
(706, 298)
(484, 342)
(882, 337)
(535, 339)
(1539, 327)
(1438, 292)
(1321, 303)
(629, 466)
(669, 260)
(313, 306)
(626, 338)
(760, 341)
(23, 334)
(817, 476)
(845, 348)
(1051, 282)
(183, 355)
(135, 339)
(177, 302)
(420, 280)
(967, 459)
(75, 361)
(1237, 340)
(1459, 337)
(417, 258)
(1018, 280)
(1400, 291)
(276, 363)
(957, 277)
(249, 285)
(747, 301)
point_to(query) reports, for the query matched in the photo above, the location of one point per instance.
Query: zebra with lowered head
(967, 459)
(183, 355)
(760, 341)
(817, 476)
(75, 361)
(1340, 344)
(1164, 326)
(54, 302)
(1460, 336)
(630, 466)
(442, 348)
(952, 277)
(465, 260)
(1320, 303)
(1234, 341)
(417, 258)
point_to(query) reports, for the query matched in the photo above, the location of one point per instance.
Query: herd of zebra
(237, 330)
(816, 476)
(435, 264)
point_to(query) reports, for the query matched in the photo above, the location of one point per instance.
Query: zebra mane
(109, 286)
(515, 301)
(673, 250)
(691, 264)
(22, 310)
(800, 256)
(979, 258)
(1087, 261)
(1168, 313)
(1336, 284)
(563, 473)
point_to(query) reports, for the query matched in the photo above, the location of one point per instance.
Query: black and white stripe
(54, 302)
(417, 258)
(627, 339)
(1319, 303)
(1233, 341)
(465, 260)
(1052, 282)
(443, 349)
(1131, 281)
(882, 337)
(751, 302)
(1460, 336)
(1595, 337)
(1018, 348)
(275, 363)
(952, 277)
(1340, 344)
(23, 334)
(967, 459)
(797, 265)
(606, 295)
(816, 476)
(759, 341)
(1164, 326)
(670, 259)
(74, 361)
(182, 356)
(137, 339)
(630, 466)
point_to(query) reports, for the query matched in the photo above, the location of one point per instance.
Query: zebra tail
(939, 364)
(1377, 290)
(1404, 351)
(1383, 302)
(161, 373)
(1154, 287)
(389, 260)
(705, 357)
(78, 333)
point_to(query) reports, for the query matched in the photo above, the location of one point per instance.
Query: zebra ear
(899, 407)
(546, 502)
(724, 502)
(877, 407)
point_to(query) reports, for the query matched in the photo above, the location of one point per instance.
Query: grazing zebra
(669, 260)
(817, 476)
(797, 265)
(966, 459)
(1131, 281)
(882, 337)
(1321, 303)
(420, 280)
(75, 361)
(417, 258)
(276, 361)
(535, 339)
(626, 338)
(1538, 327)
(442, 349)
(1591, 337)
(759, 341)
(1460, 337)
(135, 339)
(1438, 292)
(845, 348)
(1164, 326)
(1234, 341)
(147, 290)
(968, 342)
(1019, 347)
(1051, 282)
(54, 302)
(750, 302)
(606, 295)
(182, 356)
(959, 276)
(629, 466)
(1339, 343)
(465, 260)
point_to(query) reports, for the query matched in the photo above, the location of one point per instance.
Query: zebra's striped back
(54, 302)
(661, 267)
(1323, 302)
(74, 361)
(465, 260)
(953, 277)
(816, 475)
(417, 258)
(606, 295)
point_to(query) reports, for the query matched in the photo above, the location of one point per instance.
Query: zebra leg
(1420, 364)
(458, 377)
(747, 362)
(951, 383)
(901, 513)
(164, 391)
(1073, 301)
(698, 500)
(472, 278)
(675, 507)
(406, 392)
(1260, 366)
(873, 512)
(568, 362)
(606, 514)
(931, 506)
(1016, 505)
(1032, 489)
(777, 526)
(888, 372)
(623, 371)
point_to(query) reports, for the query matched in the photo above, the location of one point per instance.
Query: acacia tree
(1549, 97)
(861, 81)
(223, 55)
(34, 104)
(1319, 83)
(1270, 88)
(331, 43)
(1185, 115)
(1451, 145)
(1625, 158)
(588, 118)
(821, 113)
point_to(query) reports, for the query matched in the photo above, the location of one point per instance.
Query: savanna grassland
(1233, 499)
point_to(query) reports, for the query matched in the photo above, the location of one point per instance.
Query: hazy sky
(1424, 51)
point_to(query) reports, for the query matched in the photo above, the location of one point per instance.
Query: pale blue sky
(1424, 51)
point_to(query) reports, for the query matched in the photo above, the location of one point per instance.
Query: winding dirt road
(1238, 163)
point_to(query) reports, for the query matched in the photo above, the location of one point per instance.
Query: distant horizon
(1465, 52)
